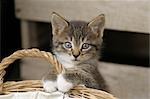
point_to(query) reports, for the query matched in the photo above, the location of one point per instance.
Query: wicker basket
(36, 85)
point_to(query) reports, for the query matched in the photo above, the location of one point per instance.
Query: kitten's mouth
(76, 59)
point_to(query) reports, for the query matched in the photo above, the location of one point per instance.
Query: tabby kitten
(76, 45)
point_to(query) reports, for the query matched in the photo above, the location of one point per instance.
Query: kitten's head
(77, 41)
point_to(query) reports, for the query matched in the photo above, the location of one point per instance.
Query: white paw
(50, 86)
(62, 84)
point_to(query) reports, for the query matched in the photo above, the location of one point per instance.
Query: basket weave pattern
(36, 85)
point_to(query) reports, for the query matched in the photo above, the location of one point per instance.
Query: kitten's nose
(76, 56)
(76, 53)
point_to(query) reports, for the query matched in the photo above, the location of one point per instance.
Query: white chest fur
(67, 64)
(65, 60)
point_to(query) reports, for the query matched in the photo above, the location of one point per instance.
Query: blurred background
(26, 24)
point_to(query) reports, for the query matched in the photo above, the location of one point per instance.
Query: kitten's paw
(50, 86)
(62, 84)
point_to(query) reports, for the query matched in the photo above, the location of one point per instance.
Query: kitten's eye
(68, 45)
(86, 46)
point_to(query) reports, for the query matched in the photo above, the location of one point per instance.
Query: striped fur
(80, 61)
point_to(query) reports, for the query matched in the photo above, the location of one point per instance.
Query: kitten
(76, 45)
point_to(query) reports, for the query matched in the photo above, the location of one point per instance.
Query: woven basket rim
(36, 85)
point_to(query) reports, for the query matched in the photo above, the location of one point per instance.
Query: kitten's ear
(58, 23)
(97, 25)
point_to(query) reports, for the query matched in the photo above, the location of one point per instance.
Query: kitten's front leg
(50, 82)
(72, 78)
(62, 83)
(50, 86)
